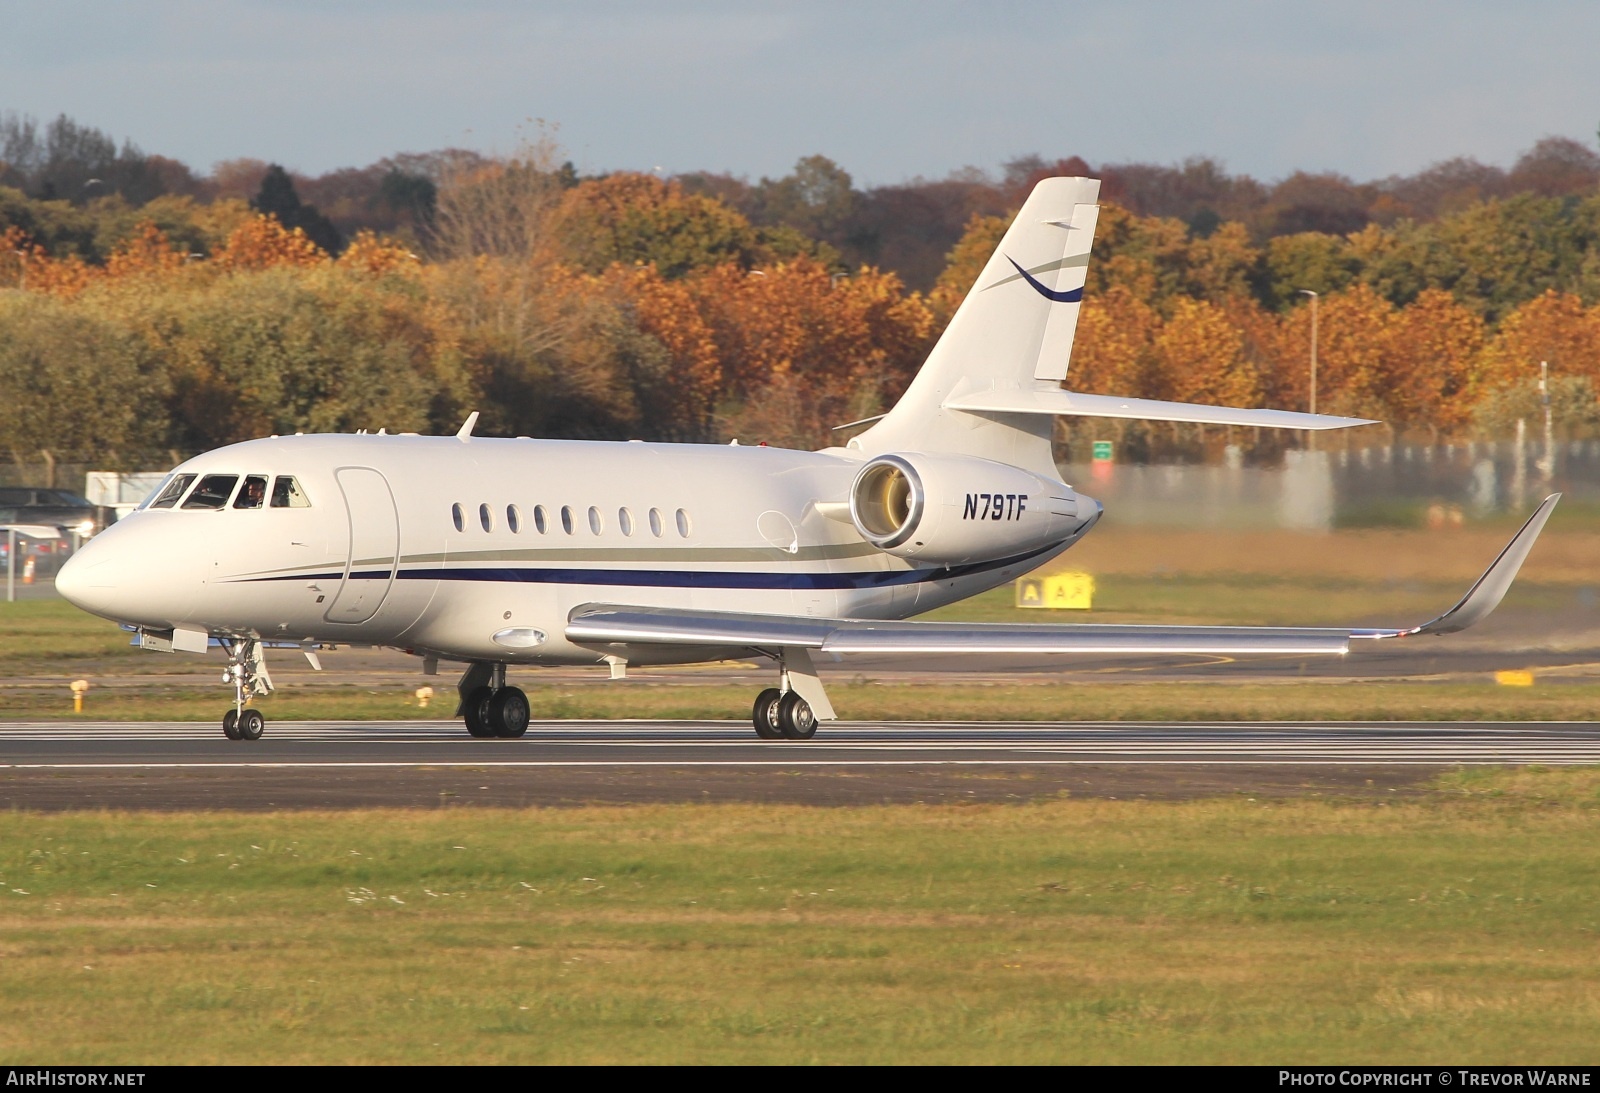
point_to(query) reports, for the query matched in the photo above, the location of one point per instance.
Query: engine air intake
(886, 501)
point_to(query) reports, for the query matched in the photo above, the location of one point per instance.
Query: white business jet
(499, 552)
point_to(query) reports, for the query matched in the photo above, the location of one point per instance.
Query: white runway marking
(330, 744)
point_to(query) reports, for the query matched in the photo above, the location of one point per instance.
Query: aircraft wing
(619, 624)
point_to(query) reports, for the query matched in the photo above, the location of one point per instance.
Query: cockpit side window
(171, 490)
(212, 492)
(253, 494)
(287, 494)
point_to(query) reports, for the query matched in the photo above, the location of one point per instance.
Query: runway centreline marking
(1041, 746)
(671, 724)
(1103, 762)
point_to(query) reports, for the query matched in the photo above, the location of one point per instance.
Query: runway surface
(330, 765)
(689, 744)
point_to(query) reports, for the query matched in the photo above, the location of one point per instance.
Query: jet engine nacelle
(950, 509)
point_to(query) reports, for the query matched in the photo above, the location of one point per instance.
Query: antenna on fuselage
(466, 426)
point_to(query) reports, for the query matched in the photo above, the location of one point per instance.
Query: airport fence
(1388, 485)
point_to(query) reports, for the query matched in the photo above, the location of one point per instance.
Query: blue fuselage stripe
(675, 578)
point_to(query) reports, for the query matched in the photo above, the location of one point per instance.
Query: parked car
(48, 507)
(41, 550)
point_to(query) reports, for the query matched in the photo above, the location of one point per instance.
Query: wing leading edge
(608, 624)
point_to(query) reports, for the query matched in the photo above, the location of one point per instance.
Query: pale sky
(889, 90)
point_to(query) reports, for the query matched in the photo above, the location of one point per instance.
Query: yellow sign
(1514, 679)
(1061, 591)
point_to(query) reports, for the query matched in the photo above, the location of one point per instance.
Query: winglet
(466, 426)
(1485, 595)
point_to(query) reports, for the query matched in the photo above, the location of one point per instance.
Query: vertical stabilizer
(1014, 331)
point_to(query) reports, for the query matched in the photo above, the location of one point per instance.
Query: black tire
(251, 725)
(765, 714)
(230, 724)
(509, 712)
(475, 710)
(796, 718)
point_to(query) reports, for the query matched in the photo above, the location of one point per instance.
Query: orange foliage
(830, 346)
(835, 331)
(14, 246)
(1280, 361)
(1199, 357)
(1433, 345)
(667, 311)
(262, 243)
(1354, 369)
(1111, 351)
(147, 252)
(1553, 327)
(373, 254)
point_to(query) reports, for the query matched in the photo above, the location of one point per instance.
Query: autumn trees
(705, 308)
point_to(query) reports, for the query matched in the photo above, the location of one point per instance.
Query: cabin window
(486, 517)
(596, 525)
(566, 519)
(253, 494)
(212, 492)
(287, 494)
(625, 521)
(172, 491)
(539, 520)
(514, 519)
(655, 523)
(683, 523)
(458, 517)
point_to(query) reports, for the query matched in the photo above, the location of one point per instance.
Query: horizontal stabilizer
(1054, 400)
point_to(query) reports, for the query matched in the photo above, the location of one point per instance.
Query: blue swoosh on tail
(1070, 296)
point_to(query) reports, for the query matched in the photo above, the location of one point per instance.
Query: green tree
(1308, 260)
(638, 219)
(74, 383)
(284, 349)
(277, 198)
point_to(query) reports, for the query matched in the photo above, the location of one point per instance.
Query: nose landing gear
(247, 671)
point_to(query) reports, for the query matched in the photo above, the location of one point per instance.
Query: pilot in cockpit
(252, 494)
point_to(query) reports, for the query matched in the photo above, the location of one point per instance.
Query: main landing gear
(247, 671)
(783, 716)
(791, 710)
(488, 706)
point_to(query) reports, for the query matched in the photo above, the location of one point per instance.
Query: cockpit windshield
(171, 491)
(212, 492)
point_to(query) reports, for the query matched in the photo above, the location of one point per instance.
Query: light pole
(1547, 464)
(1313, 295)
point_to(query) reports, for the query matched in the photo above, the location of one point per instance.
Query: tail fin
(991, 388)
(1013, 332)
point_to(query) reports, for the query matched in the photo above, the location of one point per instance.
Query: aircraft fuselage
(479, 548)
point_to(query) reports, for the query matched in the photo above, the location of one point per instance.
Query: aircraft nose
(107, 577)
(72, 582)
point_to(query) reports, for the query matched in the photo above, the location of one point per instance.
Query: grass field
(1455, 927)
